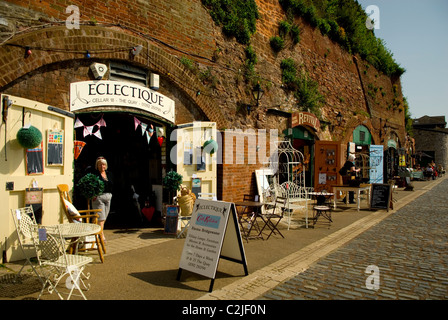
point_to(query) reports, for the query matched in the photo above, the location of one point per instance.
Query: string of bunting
(88, 130)
(143, 127)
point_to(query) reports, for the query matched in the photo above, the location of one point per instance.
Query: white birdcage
(286, 178)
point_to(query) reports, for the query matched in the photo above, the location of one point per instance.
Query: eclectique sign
(87, 94)
(305, 119)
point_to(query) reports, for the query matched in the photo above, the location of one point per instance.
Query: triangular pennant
(98, 134)
(143, 125)
(78, 148)
(78, 123)
(101, 123)
(136, 123)
(148, 136)
(86, 132)
(90, 129)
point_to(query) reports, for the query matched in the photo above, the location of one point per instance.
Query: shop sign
(88, 94)
(305, 119)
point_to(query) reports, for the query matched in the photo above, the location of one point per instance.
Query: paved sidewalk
(142, 264)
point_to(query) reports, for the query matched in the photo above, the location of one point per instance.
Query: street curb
(256, 284)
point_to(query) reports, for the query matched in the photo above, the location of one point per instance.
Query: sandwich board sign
(213, 234)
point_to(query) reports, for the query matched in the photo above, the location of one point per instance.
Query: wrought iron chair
(24, 221)
(272, 213)
(296, 198)
(94, 242)
(322, 208)
(52, 254)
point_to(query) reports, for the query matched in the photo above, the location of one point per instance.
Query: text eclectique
(118, 89)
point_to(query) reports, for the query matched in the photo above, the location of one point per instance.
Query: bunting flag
(101, 123)
(136, 123)
(78, 123)
(98, 134)
(143, 127)
(78, 148)
(88, 130)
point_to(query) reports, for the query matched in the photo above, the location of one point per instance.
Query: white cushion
(71, 208)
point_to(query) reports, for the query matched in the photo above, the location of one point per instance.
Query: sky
(416, 33)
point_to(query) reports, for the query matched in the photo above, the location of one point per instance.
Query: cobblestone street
(409, 249)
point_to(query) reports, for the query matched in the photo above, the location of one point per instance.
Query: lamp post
(339, 118)
(257, 93)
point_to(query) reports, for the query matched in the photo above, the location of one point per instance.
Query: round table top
(75, 230)
(249, 203)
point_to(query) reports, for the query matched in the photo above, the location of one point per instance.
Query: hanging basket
(210, 146)
(30, 137)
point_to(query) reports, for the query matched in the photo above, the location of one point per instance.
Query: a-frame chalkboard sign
(213, 234)
(381, 196)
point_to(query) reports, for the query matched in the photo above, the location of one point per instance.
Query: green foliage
(277, 43)
(306, 90)
(283, 28)
(295, 34)
(90, 186)
(344, 21)
(237, 18)
(172, 181)
(29, 138)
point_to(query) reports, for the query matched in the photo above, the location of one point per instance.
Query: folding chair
(276, 212)
(24, 221)
(52, 253)
(247, 217)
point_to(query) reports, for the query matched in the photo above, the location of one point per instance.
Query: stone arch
(57, 44)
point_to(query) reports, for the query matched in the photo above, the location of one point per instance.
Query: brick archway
(57, 44)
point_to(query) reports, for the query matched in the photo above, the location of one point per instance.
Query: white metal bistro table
(76, 231)
(357, 190)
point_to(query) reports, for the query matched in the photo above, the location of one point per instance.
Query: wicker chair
(81, 216)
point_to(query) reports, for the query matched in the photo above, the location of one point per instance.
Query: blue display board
(376, 164)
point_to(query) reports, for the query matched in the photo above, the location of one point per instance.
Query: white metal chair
(296, 198)
(24, 221)
(51, 253)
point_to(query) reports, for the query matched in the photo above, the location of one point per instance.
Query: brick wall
(173, 29)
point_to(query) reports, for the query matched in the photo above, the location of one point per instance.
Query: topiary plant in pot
(90, 186)
(172, 182)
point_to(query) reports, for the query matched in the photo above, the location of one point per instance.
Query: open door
(327, 164)
(30, 175)
(197, 156)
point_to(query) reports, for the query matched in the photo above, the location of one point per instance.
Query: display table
(356, 190)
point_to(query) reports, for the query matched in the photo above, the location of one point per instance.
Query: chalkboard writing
(380, 196)
(55, 147)
(34, 160)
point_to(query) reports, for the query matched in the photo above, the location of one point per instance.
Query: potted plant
(172, 182)
(90, 186)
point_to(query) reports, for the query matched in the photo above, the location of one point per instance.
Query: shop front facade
(148, 98)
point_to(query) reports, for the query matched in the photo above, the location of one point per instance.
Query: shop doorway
(134, 162)
(303, 140)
